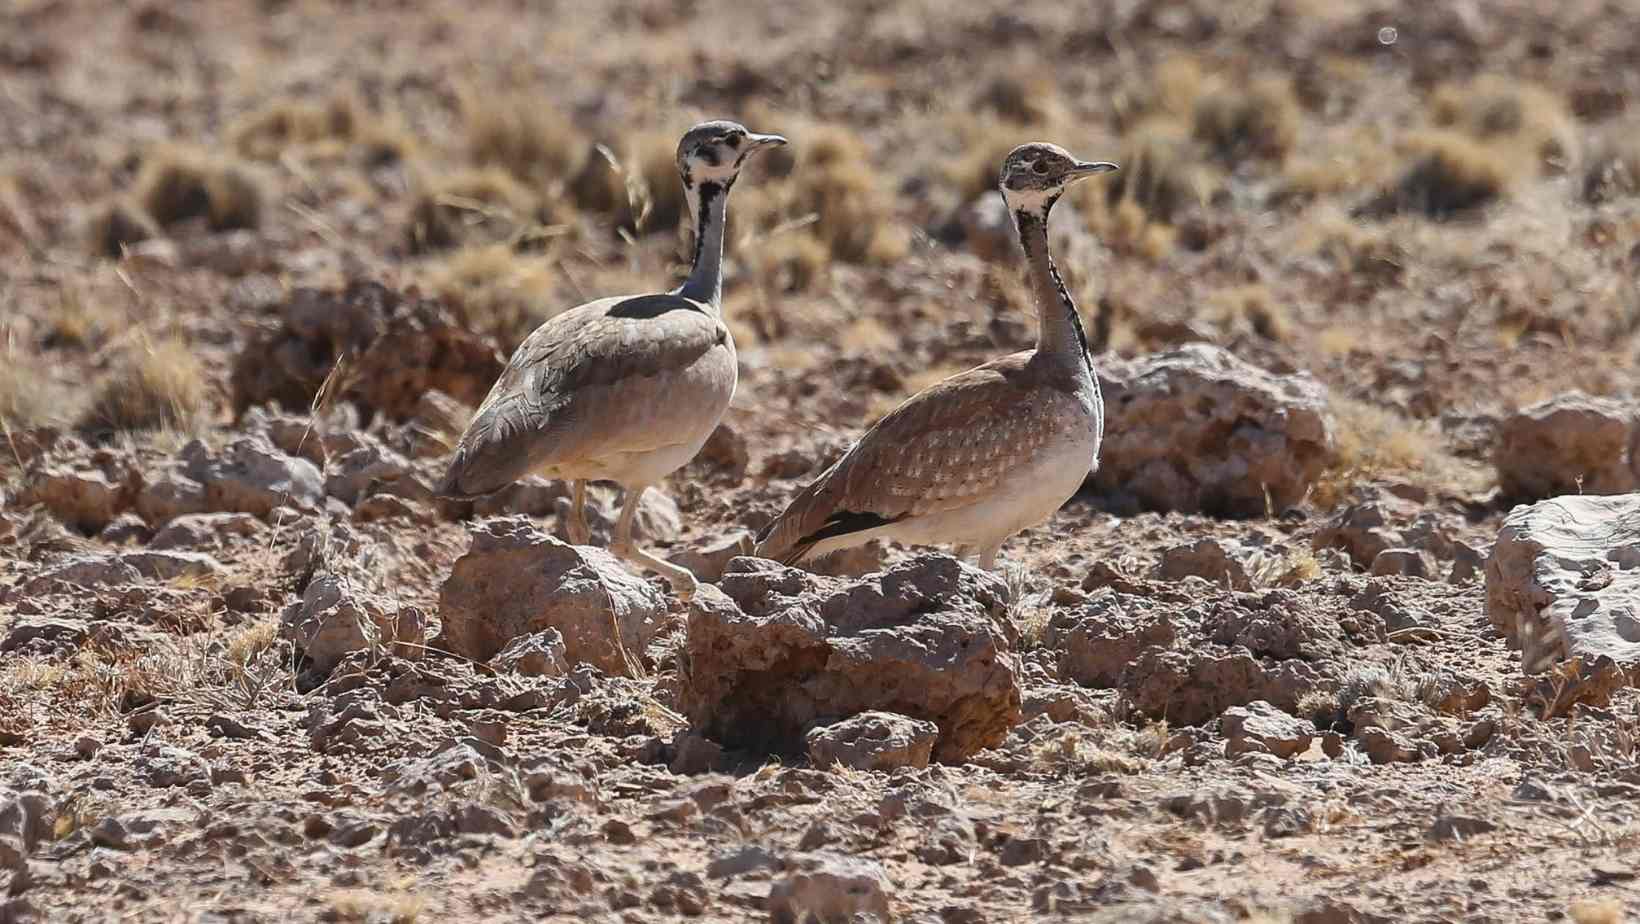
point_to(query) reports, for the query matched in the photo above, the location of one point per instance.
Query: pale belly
(656, 425)
(1032, 494)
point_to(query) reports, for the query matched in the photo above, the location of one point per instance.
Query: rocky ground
(1366, 282)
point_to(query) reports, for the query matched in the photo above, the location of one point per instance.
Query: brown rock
(1214, 560)
(251, 476)
(515, 579)
(1570, 444)
(872, 741)
(829, 888)
(1197, 429)
(1259, 726)
(778, 649)
(1402, 562)
(538, 654)
(87, 499)
(335, 618)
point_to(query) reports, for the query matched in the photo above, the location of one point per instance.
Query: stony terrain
(1300, 651)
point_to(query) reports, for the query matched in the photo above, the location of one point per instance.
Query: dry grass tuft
(1520, 119)
(116, 225)
(470, 206)
(81, 321)
(791, 262)
(1596, 911)
(837, 184)
(1022, 98)
(154, 385)
(497, 291)
(285, 124)
(1254, 122)
(1162, 172)
(176, 185)
(638, 186)
(1249, 309)
(523, 134)
(1171, 90)
(365, 905)
(986, 141)
(1373, 442)
(1451, 174)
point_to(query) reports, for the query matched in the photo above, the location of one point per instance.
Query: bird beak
(764, 141)
(1087, 168)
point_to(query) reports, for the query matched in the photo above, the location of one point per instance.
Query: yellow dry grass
(153, 385)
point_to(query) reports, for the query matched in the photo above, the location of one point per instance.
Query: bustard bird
(622, 389)
(986, 453)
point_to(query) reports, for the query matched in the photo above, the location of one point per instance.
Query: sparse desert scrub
(496, 290)
(117, 224)
(525, 134)
(1519, 118)
(153, 384)
(469, 206)
(1376, 443)
(178, 184)
(1255, 121)
(836, 181)
(1249, 309)
(287, 123)
(635, 184)
(1447, 174)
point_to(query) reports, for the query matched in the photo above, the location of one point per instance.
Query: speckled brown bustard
(622, 389)
(973, 460)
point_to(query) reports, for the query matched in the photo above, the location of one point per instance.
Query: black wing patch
(844, 522)
(649, 307)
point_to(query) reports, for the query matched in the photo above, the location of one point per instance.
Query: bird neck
(1059, 327)
(709, 204)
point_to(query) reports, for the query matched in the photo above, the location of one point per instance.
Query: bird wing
(944, 448)
(554, 399)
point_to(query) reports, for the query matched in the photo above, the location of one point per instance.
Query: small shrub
(175, 186)
(482, 205)
(1256, 122)
(1520, 119)
(496, 291)
(1162, 172)
(1020, 98)
(116, 225)
(791, 262)
(1249, 309)
(153, 386)
(1450, 174)
(525, 135)
(287, 123)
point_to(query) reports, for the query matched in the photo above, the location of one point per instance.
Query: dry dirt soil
(1431, 208)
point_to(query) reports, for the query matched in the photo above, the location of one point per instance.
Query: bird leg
(683, 583)
(576, 528)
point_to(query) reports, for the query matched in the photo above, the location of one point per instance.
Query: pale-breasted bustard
(988, 452)
(622, 389)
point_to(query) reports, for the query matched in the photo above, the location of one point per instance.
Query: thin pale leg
(579, 532)
(683, 583)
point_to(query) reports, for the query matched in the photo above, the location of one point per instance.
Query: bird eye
(1040, 168)
(735, 139)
